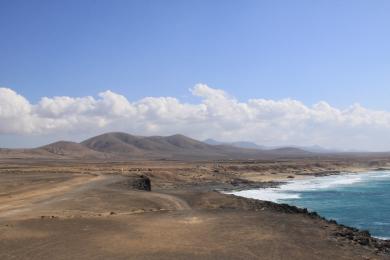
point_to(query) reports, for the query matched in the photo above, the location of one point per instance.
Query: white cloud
(218, 115)
(12, 104)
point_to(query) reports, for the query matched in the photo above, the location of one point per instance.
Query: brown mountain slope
(114, 143)
(177, 147)
(71, 149)
(153, 146)
(122, 142)
(35, 153)
(123, 146)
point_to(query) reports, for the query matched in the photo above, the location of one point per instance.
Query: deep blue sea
(358, 200)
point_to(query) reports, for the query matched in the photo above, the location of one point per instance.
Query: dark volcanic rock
(321, 173)
(351, 234)
(243, 184)
(140, 182)
(237, 182)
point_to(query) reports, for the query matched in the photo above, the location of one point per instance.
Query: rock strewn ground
(96, 211)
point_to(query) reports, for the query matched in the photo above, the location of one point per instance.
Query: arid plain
(53, 208)
(91, 210)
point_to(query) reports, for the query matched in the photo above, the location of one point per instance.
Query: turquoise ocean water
(358, 200)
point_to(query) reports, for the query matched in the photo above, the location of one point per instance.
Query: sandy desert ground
(91, 210)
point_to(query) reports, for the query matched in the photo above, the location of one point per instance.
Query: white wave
(378, 223)
(317, 183)
(384, 175)
(292, 189)
(271, 194)
(383, 238)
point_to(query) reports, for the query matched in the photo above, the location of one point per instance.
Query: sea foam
(357, 200)
(292, 189)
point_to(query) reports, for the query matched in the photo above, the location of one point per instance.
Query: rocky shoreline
(362, 237)
(354, 235)
(342, 232)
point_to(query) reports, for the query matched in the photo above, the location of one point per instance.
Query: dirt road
(86, 216)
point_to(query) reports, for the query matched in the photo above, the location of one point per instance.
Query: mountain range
(123, 146)
(246, 144)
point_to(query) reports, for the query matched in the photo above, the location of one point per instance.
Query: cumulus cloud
(217, 115)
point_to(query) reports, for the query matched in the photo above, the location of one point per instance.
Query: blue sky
(265, 68)
(337, 51)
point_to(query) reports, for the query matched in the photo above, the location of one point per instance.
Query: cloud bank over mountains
(217, 115)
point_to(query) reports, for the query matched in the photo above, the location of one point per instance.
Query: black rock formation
(140, 182)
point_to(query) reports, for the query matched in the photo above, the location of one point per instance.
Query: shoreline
(276, 182)
(304, 210)
(343, 232)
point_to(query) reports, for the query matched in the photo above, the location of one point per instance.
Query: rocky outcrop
(140, 182)
(340, 231)
(362, 237)
(243, 184)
